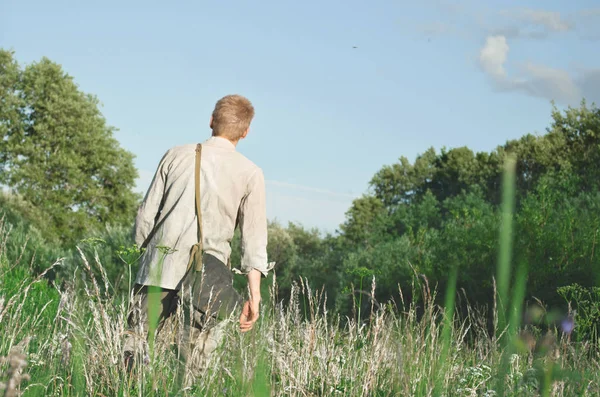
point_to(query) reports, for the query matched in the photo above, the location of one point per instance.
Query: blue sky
(328, 116)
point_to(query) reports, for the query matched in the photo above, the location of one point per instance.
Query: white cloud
(588, 24)
(465, 18)
(550, 20)
(589, 81)
(535, 80)
(471, 19)
(590, 13)
(529, 23)
(545, 82)
(493, 56)
(515, 31)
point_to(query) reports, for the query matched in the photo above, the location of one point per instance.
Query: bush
(27, 245)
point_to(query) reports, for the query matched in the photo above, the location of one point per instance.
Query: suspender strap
(197, 181)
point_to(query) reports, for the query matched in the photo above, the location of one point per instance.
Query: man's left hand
(250, 313)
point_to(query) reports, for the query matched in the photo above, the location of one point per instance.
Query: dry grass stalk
(17, 361)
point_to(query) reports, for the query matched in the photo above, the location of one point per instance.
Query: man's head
(231, 117)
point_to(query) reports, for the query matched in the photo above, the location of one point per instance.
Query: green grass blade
(446, 338)
(504, 268)
(506, 233)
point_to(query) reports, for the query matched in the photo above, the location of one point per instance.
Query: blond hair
(232, 116)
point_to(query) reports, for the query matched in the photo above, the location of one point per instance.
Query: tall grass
(67, 341)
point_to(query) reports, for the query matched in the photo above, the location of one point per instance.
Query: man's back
(232, 190)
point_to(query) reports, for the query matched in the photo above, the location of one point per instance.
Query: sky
(340, 88)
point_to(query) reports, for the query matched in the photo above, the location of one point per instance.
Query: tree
(401, 182)
(10, 101)
(366, 221)
(580, 130)
(58, 153)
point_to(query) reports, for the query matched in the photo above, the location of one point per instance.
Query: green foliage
(367, 221)
(444, 210)
(557, 234)
(580, 130)
(120, 256)
(58, 153)
(26, 248)
(389, 262)
(27, 245)
(468, 240)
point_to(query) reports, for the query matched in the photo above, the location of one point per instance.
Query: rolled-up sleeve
(253, 226)
(150, 207)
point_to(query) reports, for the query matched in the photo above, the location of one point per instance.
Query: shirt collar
(222, 143)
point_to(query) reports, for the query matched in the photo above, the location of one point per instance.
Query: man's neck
(234, 143)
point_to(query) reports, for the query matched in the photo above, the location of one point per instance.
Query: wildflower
(568, 324)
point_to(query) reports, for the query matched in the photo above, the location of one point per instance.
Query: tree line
(423, 218)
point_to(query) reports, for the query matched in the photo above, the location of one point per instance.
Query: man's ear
(245, 133)
(210, 123)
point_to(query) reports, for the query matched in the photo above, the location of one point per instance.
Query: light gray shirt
(232, 189)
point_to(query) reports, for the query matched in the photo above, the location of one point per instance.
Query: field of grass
(66, 340)
(57, 341)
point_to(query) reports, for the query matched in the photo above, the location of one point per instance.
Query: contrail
(311, 189)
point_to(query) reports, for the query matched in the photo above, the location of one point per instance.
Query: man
(232, 191)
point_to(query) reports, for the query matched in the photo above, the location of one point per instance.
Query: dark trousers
(196, 340)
